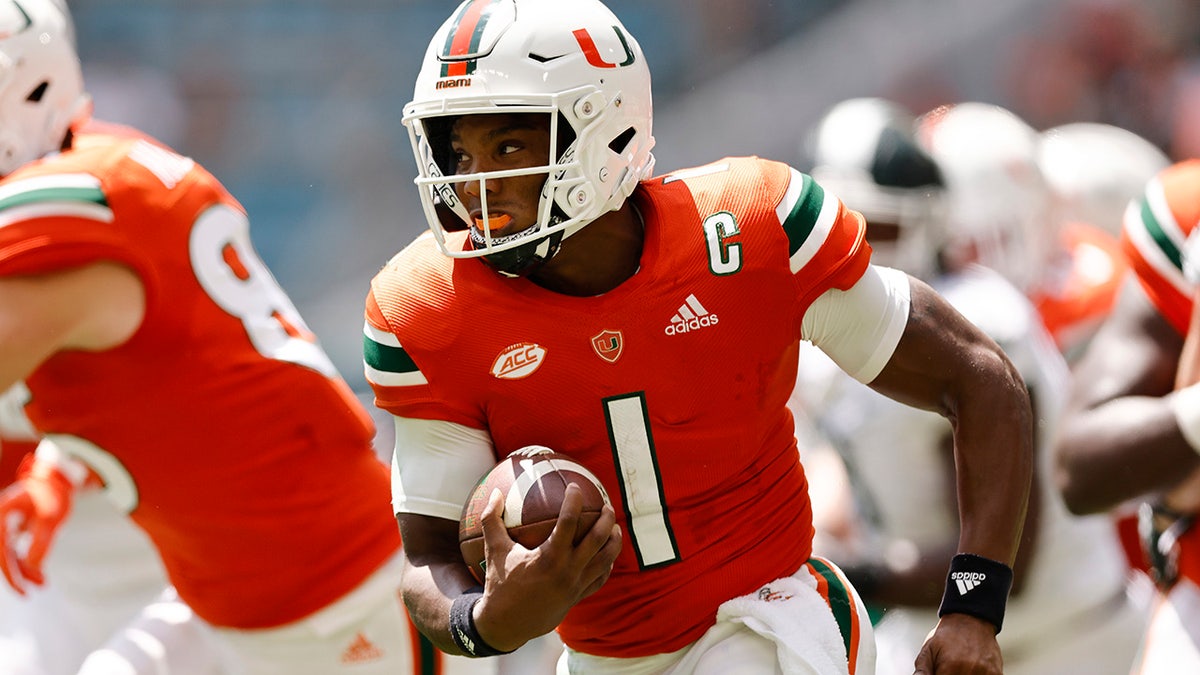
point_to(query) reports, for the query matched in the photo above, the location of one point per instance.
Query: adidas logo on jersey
(690, 316)
(967, 581)
(361, 650)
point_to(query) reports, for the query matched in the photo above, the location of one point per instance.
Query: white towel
(792, 614)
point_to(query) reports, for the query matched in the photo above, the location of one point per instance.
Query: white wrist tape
(1185, 404)
(50, 454)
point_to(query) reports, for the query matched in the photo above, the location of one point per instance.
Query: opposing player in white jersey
(1069, 611)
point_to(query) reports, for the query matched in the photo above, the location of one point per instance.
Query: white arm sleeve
(860, 327)
(435, 466)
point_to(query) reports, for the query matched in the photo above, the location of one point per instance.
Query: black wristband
(462, 625)
(977, 586)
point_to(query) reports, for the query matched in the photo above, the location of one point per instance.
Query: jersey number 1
(641, 483)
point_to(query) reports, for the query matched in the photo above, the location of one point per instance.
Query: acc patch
(518, 361)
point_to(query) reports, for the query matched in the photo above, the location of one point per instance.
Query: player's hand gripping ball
(533, 481)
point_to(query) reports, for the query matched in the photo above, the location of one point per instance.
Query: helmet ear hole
(622, 140)
(38, 92)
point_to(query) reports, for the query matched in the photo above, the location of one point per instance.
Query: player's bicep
(941, 357)
(859, 328)
(435, 466)
(94, 307)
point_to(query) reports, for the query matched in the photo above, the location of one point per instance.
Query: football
(533, 481)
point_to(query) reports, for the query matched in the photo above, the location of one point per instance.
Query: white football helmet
(41, 84)
(863, 151)
(1095, 169)
(570, 59)
(996, 201)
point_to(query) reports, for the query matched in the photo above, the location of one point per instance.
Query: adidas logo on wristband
(967, 581)
(978, 587)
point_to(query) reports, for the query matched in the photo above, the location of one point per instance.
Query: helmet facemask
(517, 253)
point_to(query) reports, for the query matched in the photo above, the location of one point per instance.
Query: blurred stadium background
(296, 104)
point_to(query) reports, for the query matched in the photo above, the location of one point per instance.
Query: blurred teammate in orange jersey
(1093, 171)
(649, 327)
(1132, 429)
(165, 364)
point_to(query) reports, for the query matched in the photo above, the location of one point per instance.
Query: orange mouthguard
(494, 222)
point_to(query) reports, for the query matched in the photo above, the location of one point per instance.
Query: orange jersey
(1082, 287)
(1153, 237)
(221, 425)
(11, 454)
(671, 388)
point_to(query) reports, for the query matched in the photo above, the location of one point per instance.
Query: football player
(1070, 611)
(166, 365)
(1133, 422)
(1093, 171)
(649, 328)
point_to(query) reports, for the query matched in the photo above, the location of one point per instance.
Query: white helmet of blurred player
(996, 202)
(569, 59)
(41, 84)
(863, 151)
(1095, 169)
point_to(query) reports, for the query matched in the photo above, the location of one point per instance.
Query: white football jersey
(899, 471)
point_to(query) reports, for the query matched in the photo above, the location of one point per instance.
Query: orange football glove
(31, 511)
